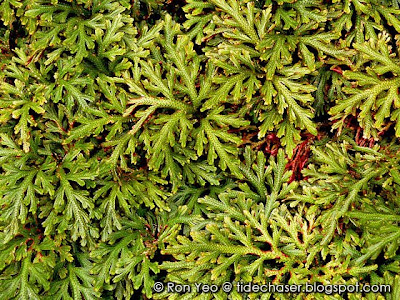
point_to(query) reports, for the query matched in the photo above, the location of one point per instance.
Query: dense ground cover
(198, 142)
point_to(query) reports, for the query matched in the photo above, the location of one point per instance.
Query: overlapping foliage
(198, 142)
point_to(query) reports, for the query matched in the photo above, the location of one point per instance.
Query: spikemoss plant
(198, 142)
